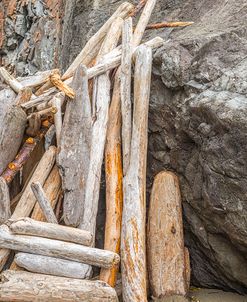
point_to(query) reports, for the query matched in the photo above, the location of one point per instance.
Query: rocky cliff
(197, 118)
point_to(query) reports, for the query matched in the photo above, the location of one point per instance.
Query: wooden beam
(133, 240)
(166, 255)
(26, 287)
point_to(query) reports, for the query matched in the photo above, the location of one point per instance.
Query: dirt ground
(214, 295)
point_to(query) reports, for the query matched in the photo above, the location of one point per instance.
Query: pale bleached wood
(126, 91)
(23, 96)
(4, 256)
(133, 247)
(74, 155)
(43, 202)
(30, 287)
(56, 248)
(52, 188)
(56, 102)
(36, 79)
(114, 176)
(55, 80)
(10, 80)
(5, 212)
(143, 22)
(166, 258)
(51, 266)
(28, 226)
(92, 47)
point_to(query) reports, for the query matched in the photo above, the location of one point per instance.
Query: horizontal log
(56, 248)
(37, 79)
(28, 226)
(26, 287)
(52, 266)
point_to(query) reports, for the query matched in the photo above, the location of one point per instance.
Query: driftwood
(167, 269)
(10, 80)
(26, 287)
(44, 98)
(114, 175)
(126, 91)
(5, 212)
(56, 248)
(55, 79)
(57, 103)
(43, 202)
(37, 79)
(133, 247)
(28, 226)
(187, 268)
(92, 47)
(168, 24)
(23, 96)
(73, 157)
(52, 188)
(51, 266)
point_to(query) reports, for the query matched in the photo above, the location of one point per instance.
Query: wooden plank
(133, 240)
(114, 176)
(56, 248)
(28, 226)
(5, 212)
(74, 155)
(165, 238)
(26, 287)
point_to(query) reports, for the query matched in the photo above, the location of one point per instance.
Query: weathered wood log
(168, 24)
(126, 91)
(57, 103)
(56, 248)
(88, 221)
(51, 266)
(26, 287)
(10, 80)
(46, 97)
(5, 212)
(37, 79)
(52, 188)
(43, 202)
(133, 247)
(138, 8)
(55, 79)
(92, 47)
(187, 268)
(50, 137)
(44, 113)
(165, 238)
(74, 155)
(28, 226)
(23, 96)
(114, 175)
(143, 22)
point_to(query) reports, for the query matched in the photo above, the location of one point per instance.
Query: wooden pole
(51, 266)
(57, 103)
(43, 202)
(126, 91)
(56, 248)
(5, 212)
(114, 175)
(168, 24)
(26, 287)
(74, 155)
(28, 226)
(166, 254)
(133, 247)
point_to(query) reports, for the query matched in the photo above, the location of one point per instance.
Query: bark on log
(92, 47)
(60, 85)
(51, 266)
(114, 175)
(28, 226)
(133, 247)
(165, 238)
(74, 155)
(5, 212)
(168, 24)
(43, 202)
(27, 287)
(56, 248)
(126, 91)
(10, 80)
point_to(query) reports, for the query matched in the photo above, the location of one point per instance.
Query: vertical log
(167, 269)
(5, 212)
(57, 102)
(126, 91)
(133, 247)
(114, 175)
(74, 155)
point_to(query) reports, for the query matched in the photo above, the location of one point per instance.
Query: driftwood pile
(70, 125)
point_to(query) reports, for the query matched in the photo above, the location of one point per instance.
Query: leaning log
(56, 248)
(166, 265)
(74, 155)
(26, 287)
(10, 80)
(133, 247)
(114, 176)
(5, 212)
(51, 266)
(28, 226)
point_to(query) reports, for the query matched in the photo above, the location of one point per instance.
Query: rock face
(197, 121)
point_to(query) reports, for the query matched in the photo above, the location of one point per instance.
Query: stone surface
(197, 119)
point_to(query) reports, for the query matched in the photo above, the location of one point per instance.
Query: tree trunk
(165, 238)
(27, 287)
(133, 247)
